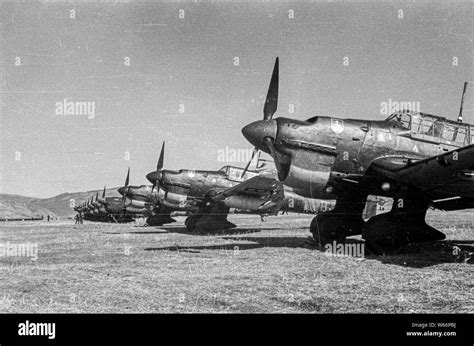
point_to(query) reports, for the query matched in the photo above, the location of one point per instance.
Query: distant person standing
(76, 217)
(49, 217)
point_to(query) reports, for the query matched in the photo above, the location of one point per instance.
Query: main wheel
(159, 220)
(327, 228)
(209, 224)
(385, 234)
(191, 222)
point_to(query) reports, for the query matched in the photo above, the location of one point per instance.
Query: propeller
(127, 180)
(258, 166)
(255, 150)
(270, 146)
(271, 103)
(103, 193)
(155, 177)
(269, 109)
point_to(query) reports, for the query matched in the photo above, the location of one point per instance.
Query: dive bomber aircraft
(418, 159)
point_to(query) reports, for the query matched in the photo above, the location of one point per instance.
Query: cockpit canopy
(433, 128)
(235, 173)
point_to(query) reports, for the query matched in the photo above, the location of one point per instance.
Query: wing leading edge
(450, 174)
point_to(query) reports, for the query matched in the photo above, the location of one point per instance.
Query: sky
(194, 73)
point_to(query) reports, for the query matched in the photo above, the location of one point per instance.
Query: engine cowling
(179, 201)
(309, 171)
(176, 198)
(134, 210)
(135, 203)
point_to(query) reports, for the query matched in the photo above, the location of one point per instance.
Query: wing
(258, 186)
(260, 194)
(446, 175)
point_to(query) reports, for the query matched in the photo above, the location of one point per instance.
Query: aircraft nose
(258, 130)
(153, 177)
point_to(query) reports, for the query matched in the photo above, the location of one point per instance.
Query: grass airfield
(260, 267)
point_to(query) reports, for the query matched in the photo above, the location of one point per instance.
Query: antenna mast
(462, 102)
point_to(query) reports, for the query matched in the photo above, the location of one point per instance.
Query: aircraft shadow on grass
(183, 230)
(432, 253)
(258, 242)
(415, 256)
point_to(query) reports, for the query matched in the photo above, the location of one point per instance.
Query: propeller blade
(103, 193)
(255, 150)
(271, 102)
(97, 196)
(157, 184)
(159, 165)
(261, 163)
(270, 146)
(127, 179)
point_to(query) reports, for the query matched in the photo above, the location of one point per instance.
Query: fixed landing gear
(159, 220)
(211, 218)
(190, 222)
(207, 223)
(390, 233)
(387, 233)
(405, 224)
(335, 225)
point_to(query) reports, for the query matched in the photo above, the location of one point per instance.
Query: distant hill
(15, 206)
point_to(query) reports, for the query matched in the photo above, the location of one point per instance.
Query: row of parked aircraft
(325, 165)
(206, 197)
